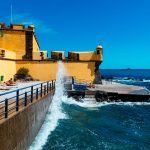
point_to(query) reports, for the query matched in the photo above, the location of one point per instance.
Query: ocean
(104, 126)
(139, 77)
(128, 73)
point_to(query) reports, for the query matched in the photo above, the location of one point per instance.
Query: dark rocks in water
(76, 95)
(78, 98)
(101, 96)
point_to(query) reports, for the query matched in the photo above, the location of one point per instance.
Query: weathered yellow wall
(9, 54)
(37, 55)
(46, 70)
(88, 56)
(8, 69)
(81, 70)
(13, 41)
(35, 45)
(17, 27)
(39, 69)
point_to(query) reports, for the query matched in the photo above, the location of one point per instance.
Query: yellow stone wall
(13, 41)
(81, 70)
(87, 56)
(35, 45)
(7, 69)
(46, 70)
(8, 54)
(17, 27)
(39, 69)
(37, 55)
(16, 41)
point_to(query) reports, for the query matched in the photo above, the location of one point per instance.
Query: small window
(77, 56)
(98, 51)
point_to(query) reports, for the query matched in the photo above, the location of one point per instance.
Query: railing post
(31, 94)
(25, 100)
(44, 89)
(52, 84)
(47, 86)
(17, 100)
(50, 87)
(37, 93)
(41, 89)
(6, 108)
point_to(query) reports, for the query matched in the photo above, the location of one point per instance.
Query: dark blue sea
(126, 73)
(106, 126)
(140, 77)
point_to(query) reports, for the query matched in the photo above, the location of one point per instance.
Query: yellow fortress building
(19, 48)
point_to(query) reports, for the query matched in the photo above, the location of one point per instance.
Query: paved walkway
(120, 88)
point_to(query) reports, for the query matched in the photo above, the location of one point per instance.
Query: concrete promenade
(120, 88)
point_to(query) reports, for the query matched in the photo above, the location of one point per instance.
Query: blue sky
(122, 27)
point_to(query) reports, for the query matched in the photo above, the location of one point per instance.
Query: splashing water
(54, 113)
(84, 104)
(88, 105)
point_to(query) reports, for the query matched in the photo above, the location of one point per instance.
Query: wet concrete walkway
(120, 88)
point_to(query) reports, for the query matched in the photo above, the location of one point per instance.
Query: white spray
(54, 113)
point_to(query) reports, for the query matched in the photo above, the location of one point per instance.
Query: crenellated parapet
(16, 27)
(80, 56)
(22, 40)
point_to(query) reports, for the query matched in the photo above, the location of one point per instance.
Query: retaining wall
(19, 131)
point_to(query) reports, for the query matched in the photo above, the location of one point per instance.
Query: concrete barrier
(19, 131)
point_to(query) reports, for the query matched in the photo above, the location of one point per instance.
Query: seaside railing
(15, 100)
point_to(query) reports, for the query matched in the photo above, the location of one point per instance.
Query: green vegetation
(22, 73)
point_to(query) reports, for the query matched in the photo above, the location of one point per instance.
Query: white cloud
(27, 19)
